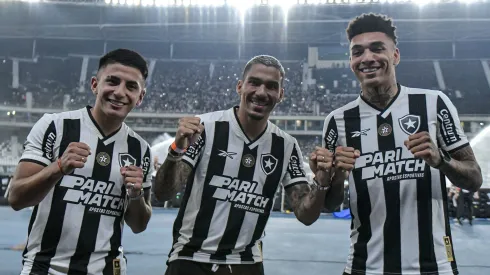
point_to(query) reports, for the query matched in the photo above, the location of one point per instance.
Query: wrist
(138, 196)
(445, 159)
(323, 186)
(54, 170)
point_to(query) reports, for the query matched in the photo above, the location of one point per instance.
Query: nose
(261, 90)
(368, 57)
(119, 90)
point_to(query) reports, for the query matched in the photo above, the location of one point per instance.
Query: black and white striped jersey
(77, 228)
(398, 203)
(229, 197)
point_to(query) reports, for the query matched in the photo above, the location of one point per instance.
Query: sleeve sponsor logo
(448, 129)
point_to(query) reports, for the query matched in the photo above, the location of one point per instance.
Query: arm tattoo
(306, 201)
(463, 170)
(170, 178)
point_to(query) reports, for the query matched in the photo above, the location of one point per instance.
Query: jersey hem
(188, 161)
(458, 148)
(295, 183)
(229, 262)
(34, 161)
(362, 272)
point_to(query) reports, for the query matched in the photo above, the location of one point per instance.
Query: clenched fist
(321, 163)
(133, 180)
(189, 130)
(74, 156)
(345, 159)
(422, 147)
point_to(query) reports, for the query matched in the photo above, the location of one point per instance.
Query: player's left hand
(422, 147)
(321, 163)
(133, 180)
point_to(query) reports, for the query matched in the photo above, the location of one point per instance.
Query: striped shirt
(400, 222)
(229, 196)
(77, 227)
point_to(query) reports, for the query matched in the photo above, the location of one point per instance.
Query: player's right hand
(345, 159)
(74, 156)
(190, 129)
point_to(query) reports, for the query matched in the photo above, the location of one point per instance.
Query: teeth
(259, 103)
(369, 70)
(116, 103)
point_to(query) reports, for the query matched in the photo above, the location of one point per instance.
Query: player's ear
(140, 99)
(281, 95)
(93, 84)
(239, 87)
(396, 59)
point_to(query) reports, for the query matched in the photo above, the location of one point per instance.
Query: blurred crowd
(205, 86)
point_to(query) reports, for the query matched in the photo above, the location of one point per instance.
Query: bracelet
(59, 166)
(176, 149)
(320, 187)
(137, 197)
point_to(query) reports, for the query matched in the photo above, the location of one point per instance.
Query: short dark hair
(266, 60)
(125, 57)
(371, 22)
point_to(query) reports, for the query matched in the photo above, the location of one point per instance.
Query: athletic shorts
(185, 267)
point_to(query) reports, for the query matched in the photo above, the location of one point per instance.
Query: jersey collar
(238, 129)
(90, 120)
(384, 112)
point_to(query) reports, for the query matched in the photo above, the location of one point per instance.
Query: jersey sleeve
(295, 173)
(40, 143)
(147, 168)
(194, 152)
(450, 134)
(330, 135)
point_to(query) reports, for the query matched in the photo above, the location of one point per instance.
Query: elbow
(139, 229)
(160, 196)
(15, 203)
(308, 220)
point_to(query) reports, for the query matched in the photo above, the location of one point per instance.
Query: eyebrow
(375, 43)
(131, 82)
(260, 80)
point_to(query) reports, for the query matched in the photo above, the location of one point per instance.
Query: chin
(255, 115)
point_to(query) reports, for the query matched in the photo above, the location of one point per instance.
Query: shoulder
(213, 116)
(418, 91)
(339, 112)
(57, 118)
(130, 132)
(275, 130)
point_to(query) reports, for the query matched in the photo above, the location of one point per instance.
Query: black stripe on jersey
(216, 166)
(54, 224)
(146, 164)
(134, 149)
(270, 187)
(90, 222)
(198, 147)
(352, 121)
(447, 126)
(454, 266)
(48, 142)
(236, 215)
(391, 230)
(417, 105)
(31, 223)
(331, 135)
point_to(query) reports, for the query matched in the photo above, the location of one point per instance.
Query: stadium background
(196, 50)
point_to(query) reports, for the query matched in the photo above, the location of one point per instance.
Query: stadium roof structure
(169, 21)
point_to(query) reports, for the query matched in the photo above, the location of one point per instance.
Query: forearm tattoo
(464, 170)
(170, 178)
